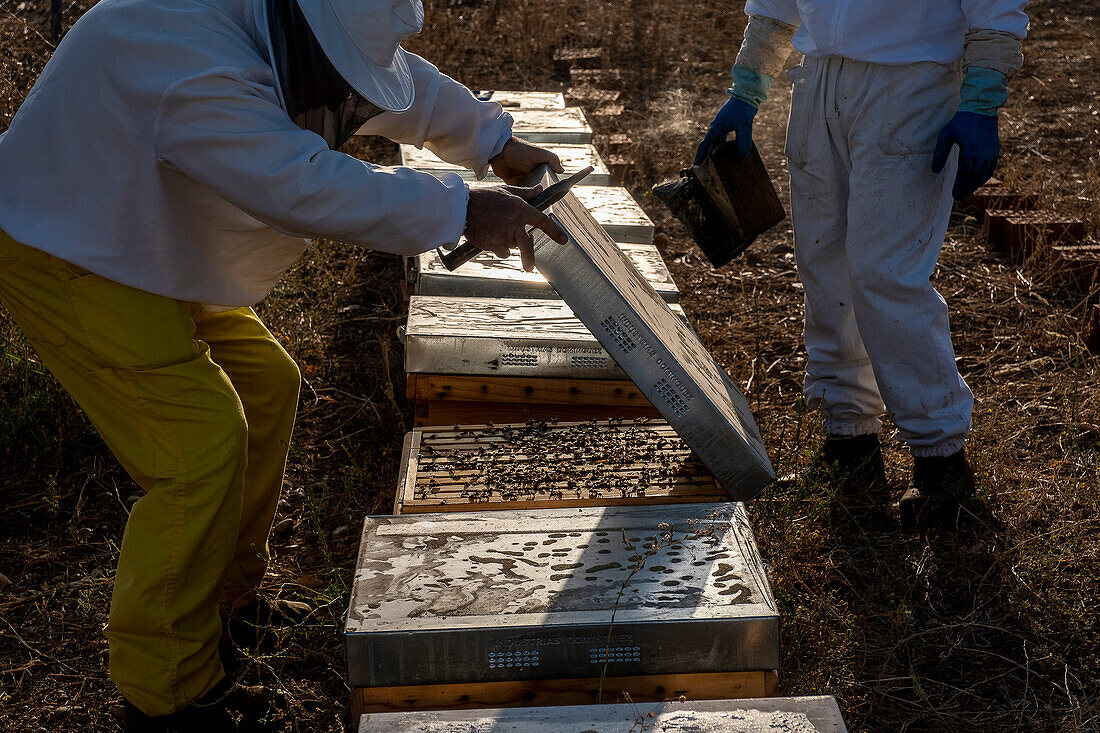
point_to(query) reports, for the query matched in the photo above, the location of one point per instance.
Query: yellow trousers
(198, 408)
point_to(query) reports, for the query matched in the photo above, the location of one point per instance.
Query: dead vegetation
(994, 627)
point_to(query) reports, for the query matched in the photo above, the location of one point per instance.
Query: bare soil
(993, 627)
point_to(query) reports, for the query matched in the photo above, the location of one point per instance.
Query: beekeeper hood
(332, 55)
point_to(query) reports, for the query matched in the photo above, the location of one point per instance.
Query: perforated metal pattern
(530, 360)
(673, 400)
(526, 658)
(622, 340)
(588, 362)
(598, 655)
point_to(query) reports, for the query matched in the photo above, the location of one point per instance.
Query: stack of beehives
(490, 342)
(536, 561)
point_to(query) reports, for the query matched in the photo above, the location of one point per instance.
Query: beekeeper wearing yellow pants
(893, 112)
(198, 408)
(160, 177)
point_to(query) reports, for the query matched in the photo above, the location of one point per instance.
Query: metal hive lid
(543, 567)
(552, 593)
(490, 276)
(573, 156)
(657, 350)
(811, 714)
(503, 337)
(568, 125)
(506, 318)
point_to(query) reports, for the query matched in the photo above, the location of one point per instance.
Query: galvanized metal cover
(573, 158)
(488, 276)
(617, 212)
(510, 100)
(485, 596)
(503, 337)
(817, 714)
(567, 125)
(662, 356)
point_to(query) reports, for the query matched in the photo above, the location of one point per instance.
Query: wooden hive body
(549, 465)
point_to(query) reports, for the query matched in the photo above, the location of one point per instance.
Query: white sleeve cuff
(457, 203)
(766, 46)
(500, 132)
(990, 49)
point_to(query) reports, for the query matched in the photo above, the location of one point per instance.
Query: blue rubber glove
(736, 117)
(749, 90)
(974, 130)
(979, 147)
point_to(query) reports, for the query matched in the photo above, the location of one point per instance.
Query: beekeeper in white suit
(160, 177)
(885, 92)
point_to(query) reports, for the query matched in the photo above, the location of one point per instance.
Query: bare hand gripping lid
(361, 38)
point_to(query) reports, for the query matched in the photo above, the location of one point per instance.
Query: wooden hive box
(504, 337)
(617, 212)
(1024, 231)
(542, 465)
(498, 606)
(488, 276)
(614, 209)
(511, 100)
(573, 158)
(592, 95)
(997, 196)
(993, 226)
(581, 58)
(539, 126)
(1090, 333)
(616, 143)
(476, 360)
(606, 78)
(813, 714)
(1078, 266)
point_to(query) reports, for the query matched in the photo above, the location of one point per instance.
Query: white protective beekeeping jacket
(154, 151)
(891, 32)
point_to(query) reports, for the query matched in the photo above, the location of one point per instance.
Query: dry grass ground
(995, 627)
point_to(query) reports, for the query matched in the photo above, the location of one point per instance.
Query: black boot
(255, 626)
(852, 465)
(940, 486)
(189, 720)
(209, 714)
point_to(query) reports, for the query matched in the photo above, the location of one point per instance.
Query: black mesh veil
(315, 95)
(337, 124)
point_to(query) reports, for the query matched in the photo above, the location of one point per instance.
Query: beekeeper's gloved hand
(519, 157)
(736, 117)
(497, 218)
(750, 88)
(974, 130)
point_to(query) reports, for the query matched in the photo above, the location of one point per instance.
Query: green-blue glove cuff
(983, 91)
(749, 85)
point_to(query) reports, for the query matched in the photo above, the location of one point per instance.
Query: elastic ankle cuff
(939, 450)
(850, 428)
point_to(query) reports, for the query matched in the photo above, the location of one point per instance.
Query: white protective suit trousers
(869, 221)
